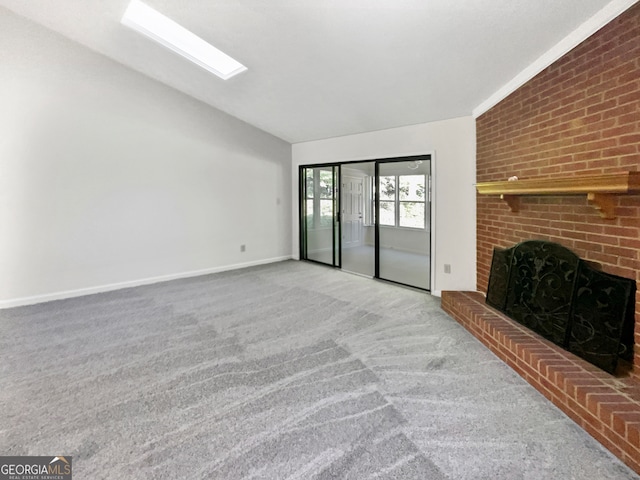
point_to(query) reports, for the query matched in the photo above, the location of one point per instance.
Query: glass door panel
(404, 239)
(319, 214)
(358, 218)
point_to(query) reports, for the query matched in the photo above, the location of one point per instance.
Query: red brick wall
(579, 116)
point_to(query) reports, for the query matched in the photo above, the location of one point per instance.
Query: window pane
(412, 187)
(326, 184)
(309, 182)
(387, 188)
(309, 214)
(326, 213)
(387, 213)
(412, 214)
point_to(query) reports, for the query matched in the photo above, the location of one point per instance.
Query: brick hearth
(607, 407)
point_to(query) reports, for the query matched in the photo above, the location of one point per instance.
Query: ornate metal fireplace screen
(547, 288)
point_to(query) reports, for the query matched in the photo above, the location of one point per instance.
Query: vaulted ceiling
(326, 68)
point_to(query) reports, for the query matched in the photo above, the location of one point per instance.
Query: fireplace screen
(547, 288)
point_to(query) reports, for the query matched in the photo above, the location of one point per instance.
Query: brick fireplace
(580, 116)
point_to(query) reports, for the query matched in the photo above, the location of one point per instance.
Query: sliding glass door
(320, 233)
(404, 240)
(358, 218)
(371, 218)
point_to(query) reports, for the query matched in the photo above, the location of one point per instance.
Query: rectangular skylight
(165, 31)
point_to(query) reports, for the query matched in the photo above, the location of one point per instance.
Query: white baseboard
(48, 297)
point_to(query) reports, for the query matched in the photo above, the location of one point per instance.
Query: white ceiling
(326, 68)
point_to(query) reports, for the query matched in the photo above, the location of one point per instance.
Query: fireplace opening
(550, 290)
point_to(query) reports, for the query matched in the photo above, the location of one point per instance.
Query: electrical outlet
(243, 248)
(447, 268)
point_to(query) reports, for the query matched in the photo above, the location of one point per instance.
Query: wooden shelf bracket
(513, 201)
(603, 202)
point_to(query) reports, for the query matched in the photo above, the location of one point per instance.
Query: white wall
(398, 238)
(108, 178)
(452, 144)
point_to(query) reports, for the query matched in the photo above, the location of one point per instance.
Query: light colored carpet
(285, 371)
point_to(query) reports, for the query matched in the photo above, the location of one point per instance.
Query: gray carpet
(288, 370)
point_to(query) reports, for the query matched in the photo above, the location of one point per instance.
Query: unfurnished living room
(320, 239)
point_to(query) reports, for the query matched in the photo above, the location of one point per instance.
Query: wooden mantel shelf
(599, 189)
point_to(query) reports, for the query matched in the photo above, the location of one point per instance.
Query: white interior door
(352, 211)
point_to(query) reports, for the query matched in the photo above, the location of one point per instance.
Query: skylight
(165, 31)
